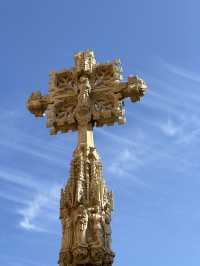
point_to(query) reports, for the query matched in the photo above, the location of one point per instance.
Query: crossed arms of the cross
(96, 96)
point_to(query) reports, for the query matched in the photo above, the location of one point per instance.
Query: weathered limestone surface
(85, 212)
(87, 95)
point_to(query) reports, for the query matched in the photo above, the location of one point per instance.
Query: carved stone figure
(95, 192)
(107, 230)
(85, 89)
(79, 98)
(79, 191)
(67, 233)
(81, 222)
(97, 226)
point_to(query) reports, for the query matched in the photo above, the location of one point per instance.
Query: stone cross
(86, 95)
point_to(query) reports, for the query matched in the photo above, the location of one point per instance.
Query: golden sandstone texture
(86, 95)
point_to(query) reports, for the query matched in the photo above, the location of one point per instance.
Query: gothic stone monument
(86, 95)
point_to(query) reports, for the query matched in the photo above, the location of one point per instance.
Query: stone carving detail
(79, 98)
(81, 225)
(97, 227)
(86, 220)
(67, 234)
(88, 92)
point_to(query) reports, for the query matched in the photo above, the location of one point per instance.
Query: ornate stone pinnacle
(85, 60)
(80, 98)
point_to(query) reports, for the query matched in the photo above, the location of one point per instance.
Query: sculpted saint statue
(97, 226)
(81, 222)
(79, 191)
(85, 88)
(67, 231)
(80, 180)
(95, 192)
(83, 112)
(107, 230)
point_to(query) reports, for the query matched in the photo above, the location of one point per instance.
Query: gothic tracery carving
(89, 219)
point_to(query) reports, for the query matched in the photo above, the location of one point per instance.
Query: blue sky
(151, 163)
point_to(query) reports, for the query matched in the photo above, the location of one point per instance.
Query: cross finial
(85, 60)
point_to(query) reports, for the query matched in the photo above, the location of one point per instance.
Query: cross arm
(59, 106)
(108, 77)
(37, 103)
(135, 88)
(107, 101)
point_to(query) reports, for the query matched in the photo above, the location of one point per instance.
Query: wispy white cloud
(115, 137)
(187, 138)
(14, 198)
(19, 178)
(182, 72)
(170, 128)
(34, 151)
(16, 138)
(39, 207)
(176, 91)
(181, 127)
(184, 131)
(172, 103)
(41, 211)
(124, 164)
(175, 105)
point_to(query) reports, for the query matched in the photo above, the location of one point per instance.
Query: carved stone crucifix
(86, 95)
(79, 98)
